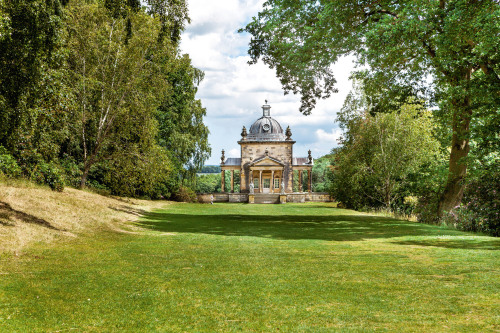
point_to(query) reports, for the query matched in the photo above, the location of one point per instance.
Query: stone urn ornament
(244, 133)
(288, 133)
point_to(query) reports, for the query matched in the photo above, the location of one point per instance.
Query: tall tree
(180, 117)
(382, 155)
(454, 41)
(173, 15)
(116, 83)
(28, 35)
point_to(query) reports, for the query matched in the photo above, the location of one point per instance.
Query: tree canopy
(98, 93)
(404, 43)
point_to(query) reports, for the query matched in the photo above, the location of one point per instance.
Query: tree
(321, 172)
(383, 155)
(173, 15)
(115, 81)
(180, 118)
(28, 36)
(403, 42)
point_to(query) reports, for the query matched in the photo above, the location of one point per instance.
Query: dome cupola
(266, 128)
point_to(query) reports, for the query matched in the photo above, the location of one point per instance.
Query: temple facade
(267, 163)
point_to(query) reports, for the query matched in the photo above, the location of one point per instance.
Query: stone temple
(267, 163)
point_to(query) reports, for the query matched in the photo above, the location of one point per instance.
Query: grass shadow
(468, 244)
(294, 227)
(8, 213)
(129, 210)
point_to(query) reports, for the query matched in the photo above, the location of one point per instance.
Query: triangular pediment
(266, 161)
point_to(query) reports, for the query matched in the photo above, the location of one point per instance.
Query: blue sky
(233, 91)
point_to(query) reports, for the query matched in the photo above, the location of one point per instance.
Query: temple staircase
(267, 198)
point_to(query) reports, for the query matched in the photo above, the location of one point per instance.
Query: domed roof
(266, 125)
(266, 128)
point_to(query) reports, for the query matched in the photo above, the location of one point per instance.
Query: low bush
(481, 208)
(184, 194)
(49, 174)
(8, 164)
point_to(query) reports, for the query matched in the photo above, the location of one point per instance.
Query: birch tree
(114, 76)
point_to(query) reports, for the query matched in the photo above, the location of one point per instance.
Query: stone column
(260, 181)
(232, 181)
(300, 180)
(272, 181)
(222, 181)
(243, 185)
(250, 177)
(310, 176)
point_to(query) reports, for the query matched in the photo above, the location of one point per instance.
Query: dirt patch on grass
(30, 214)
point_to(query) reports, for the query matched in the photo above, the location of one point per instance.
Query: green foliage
(49, 174)
(208, 183)
(321, 174)
(481, 208)
(8, 164)
(29, 31)
(210, 169)
(404, 43)
(80, 89)
(180, 118)
(385, 158)
(184, 194)
(138, 174)
(173, 15)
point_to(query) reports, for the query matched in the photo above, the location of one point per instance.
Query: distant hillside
(210, 169)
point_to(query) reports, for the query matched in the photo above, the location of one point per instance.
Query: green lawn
(239, 267)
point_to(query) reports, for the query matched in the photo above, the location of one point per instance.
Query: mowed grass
(239, 267)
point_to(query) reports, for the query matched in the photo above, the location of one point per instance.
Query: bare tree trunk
(454, 189)
(85, 174)
(87, 164)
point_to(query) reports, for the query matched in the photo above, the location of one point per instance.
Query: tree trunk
(83, 180)
(454, 189)
(86, 167)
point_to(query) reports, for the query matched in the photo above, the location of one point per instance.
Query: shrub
(8, 164)
(480, 208)
(49, 174)
(482, 203)
(72, 171)
(185, 194)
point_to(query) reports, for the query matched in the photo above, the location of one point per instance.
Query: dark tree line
(97, 93)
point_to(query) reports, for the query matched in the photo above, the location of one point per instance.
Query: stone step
(261, 198)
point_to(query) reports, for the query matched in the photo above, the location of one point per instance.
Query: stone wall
(296, 197)
(218, 197)
(243, 197)
(318, 197)
(238, 197)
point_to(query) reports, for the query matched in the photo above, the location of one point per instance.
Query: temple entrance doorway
(266, 185)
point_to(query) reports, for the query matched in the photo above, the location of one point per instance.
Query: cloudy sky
(233, 91)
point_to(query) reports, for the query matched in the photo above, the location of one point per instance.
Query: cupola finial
(266, 110)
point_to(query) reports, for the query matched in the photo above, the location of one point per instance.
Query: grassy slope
(31, 214)
(235, 267)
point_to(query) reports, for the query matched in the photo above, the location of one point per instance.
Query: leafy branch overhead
(402, 43)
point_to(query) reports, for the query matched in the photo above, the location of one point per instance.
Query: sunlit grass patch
(239, 267)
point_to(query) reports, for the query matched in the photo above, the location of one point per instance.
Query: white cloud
(329, 137)
(234, 153)
(233, 91)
